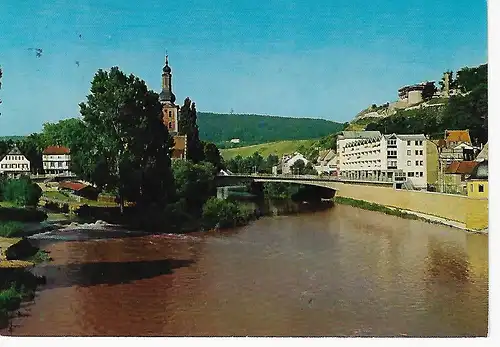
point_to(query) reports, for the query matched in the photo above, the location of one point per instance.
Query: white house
(328, 162)
(392, 157)
(235, 141)
(56, 160)
(14, 163)
(288, 161)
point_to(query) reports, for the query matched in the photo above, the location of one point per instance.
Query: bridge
(330, 182)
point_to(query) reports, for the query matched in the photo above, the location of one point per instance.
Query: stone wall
(470, 211)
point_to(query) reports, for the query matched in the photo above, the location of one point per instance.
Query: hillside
(465, 109)
(254, 129)
(265, 149)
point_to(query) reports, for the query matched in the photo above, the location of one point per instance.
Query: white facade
(384, 157)
(235, 141)
(56, 163)
(288, 162)
(328, 163)
(14, 163)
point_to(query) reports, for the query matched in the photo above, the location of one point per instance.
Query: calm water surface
(339, 272)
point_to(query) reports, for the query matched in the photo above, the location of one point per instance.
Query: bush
(10, 229)
(22, 214)
(22, 191)
(224, 214)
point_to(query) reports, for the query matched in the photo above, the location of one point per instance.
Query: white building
(235, 141)
(14, 163)
(288, 161)
(328, 163)
(56, 160)
(373, 156)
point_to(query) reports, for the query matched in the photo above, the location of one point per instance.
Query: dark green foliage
(128, 150)
(253, 129)
(32, 148)
(252, 164)
(470, 78)
(22, 214)
(10, 228)
(194, 183)
(212, 155)
(224, 214)
(428, 91)
(374, 207)
(188, 126)
(279, 190)
(22, 191)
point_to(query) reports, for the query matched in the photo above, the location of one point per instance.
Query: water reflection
(336, 272)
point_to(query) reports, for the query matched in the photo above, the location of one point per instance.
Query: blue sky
(321, 59)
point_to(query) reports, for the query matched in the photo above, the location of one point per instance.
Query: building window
(408, 152)
(481, 188)
(421, 174)
(421, 152)
(408, 143)
(416, 162)
(416, 152)
(471, 186)
(411, 174)
(408, 163)
(421, 163)
(170, 114)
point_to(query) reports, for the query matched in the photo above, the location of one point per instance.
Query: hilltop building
(14, 164)
(171, 113)
(412, 94)
(56, 160)
(369, 155)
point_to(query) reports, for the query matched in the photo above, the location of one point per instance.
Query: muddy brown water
(338, 272)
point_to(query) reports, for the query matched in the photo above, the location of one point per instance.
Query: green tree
(32, 148)
(129, 147)
(298, 167)
(188, 126)
(470, 78)
(212, 155)
(22, 192)
(428, 91)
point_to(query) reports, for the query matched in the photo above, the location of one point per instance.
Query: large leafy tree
(128, 147)
(212, 155)
(32, 148)
(188, 126)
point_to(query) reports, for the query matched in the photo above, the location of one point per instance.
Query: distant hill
(254, 129)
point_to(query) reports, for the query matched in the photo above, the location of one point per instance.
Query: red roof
(56, 150)
(76, 186)
(461, 167)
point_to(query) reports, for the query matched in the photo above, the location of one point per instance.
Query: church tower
(167, 98)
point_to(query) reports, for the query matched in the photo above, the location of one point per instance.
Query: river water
(336, 272)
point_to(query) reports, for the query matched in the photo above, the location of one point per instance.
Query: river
(337, 272)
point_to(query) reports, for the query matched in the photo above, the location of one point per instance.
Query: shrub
(22, 192)
(22, 214)
(224, 214)
(10, 229)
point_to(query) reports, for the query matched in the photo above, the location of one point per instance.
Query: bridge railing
(314, 178)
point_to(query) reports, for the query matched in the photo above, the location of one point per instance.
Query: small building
(483, 155)
(327, 163)
(453, 138)
(56, 160)
(456, 175)
(412, 94)
(179, 151)
(14, 164)
(477, 184)
(79, 189)
(226, 172)
(288, 161)
(235, 141)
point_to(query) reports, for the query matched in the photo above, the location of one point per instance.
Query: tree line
(256, 163)
(120, 144)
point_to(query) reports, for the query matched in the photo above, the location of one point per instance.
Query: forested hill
(253, 129)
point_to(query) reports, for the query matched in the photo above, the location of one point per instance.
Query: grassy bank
(265, 149)
(376, 207)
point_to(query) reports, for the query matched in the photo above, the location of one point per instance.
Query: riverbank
(406, 214)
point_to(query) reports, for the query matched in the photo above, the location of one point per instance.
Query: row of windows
(417, 143)
(52, 164)
(480, 188)
(417, 163)
(417, 152)
(15, 157)
(416, 174)
(14, 166)
(392, 152)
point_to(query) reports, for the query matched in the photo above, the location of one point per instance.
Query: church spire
(166, 94)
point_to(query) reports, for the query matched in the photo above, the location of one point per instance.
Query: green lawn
(277, 148)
